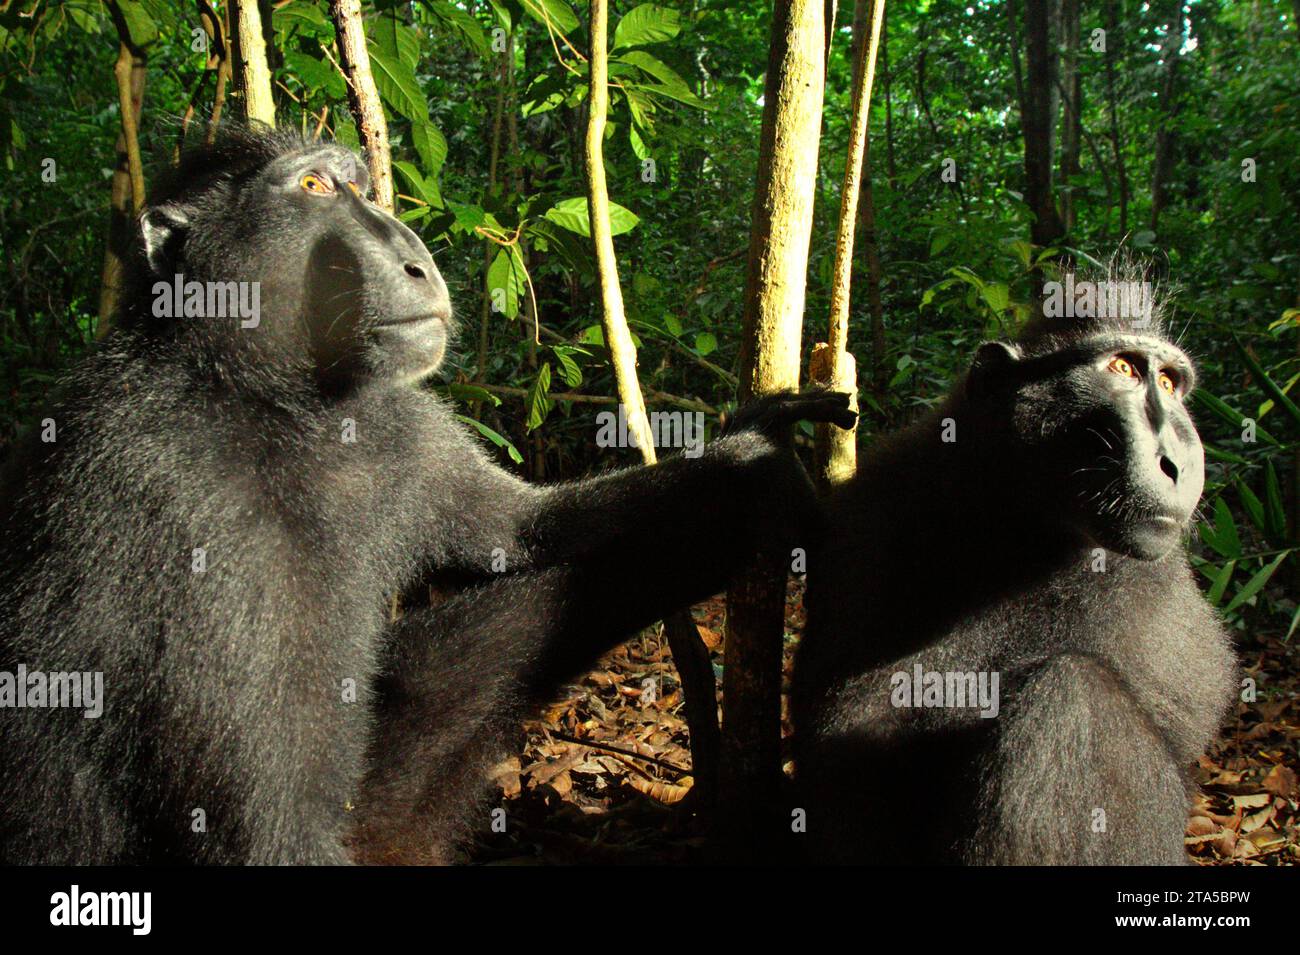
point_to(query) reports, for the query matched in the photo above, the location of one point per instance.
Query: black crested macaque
(219, 506)
(1007, 660)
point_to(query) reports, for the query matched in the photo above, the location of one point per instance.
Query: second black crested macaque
(1007, 657)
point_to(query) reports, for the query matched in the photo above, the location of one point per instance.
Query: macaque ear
(992, 360)
(164, 229)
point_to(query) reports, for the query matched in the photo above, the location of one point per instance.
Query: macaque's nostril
(1169, 468)
(416, 271)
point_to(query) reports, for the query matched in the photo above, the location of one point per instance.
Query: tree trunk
(1013, 46)
(769, 361)
(879, 371)
(1038, 112)
(1121, 173)
(690, 656)
(832, 364)
(891, 170)
(363, 97)
(254, 76)
(1295, 455)
(1072, 110)
(1163, 163)
(127, 193)
(922, 97)
(490, 248)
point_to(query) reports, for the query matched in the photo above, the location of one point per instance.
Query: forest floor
(604, 775)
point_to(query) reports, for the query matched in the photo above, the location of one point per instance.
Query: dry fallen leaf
(1265, 839)
(666, 793)
(1252, 801)
(1281, 781)
(1257, 820)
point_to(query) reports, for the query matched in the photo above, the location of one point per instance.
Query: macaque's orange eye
(1122, 366)
(317, 185)
(1167, 383)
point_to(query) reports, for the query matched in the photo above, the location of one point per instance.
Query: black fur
(985, 554)
(225, 688)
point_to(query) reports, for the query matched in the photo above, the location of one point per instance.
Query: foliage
(687, 85)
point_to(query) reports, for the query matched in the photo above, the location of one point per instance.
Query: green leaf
(665, 74)
(397, 86)
(996, 295)
(646, 24)
(141, 26)
(706, 343)
(1223, 536)
(430, 146)
(576, 253)
(495, 438)
(1022, 250)
(545, 92)
(641, 107)
(572, 215)
(539, 398)
(421, 188)
(468, 217)
(1255, 584)
(503, 14)
(398, 42)
(1267, 383)
(505, 281)
(1220, 585)
(905, 371)
(1252, 505)
(1230, 414)
(569, 369)
(1290, 316)
(458, 21)
(558, 12)
(1266, 406)
(345, 130)
(314, 74)
(1228, 457)
(1276, 527)
(680, 93)
(82, 13)
(1227, 528)
(639, 148)
(305, 16)
(935, 289)
(469, 393)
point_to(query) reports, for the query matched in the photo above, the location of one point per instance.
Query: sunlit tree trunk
(251, 70)
(690, 656)
(127, 192)
(832, 363)
(363, 97)
(769, 361)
